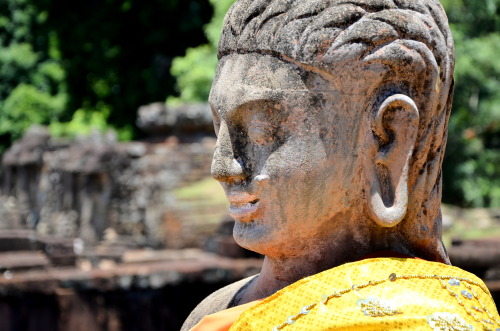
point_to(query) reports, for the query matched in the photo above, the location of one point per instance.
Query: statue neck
(278, 273)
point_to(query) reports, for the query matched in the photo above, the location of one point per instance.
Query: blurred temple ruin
(96, 186)
(103, 235)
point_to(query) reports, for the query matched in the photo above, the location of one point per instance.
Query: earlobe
(395, 127)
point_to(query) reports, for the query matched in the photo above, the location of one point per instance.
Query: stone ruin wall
(76, 215)
(98, 189)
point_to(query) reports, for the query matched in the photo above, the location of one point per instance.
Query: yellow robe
(378, 294)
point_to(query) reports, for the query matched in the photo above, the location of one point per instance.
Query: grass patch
(473, 223)
(206, 190)
(204, 201)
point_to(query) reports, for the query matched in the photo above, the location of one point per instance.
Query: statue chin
(251, 236)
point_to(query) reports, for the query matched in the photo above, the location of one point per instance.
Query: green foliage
(195, 71)
(85, 121)
(214, 28)
(118, 53)
(27, 105)
(82, 123)
(66, 61)
(32, 88)
(471, 169)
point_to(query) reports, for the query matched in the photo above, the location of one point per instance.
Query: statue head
(331, 120)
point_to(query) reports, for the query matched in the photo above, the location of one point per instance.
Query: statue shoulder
(224, 298)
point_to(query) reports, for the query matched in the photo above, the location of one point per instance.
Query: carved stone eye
(260, 133)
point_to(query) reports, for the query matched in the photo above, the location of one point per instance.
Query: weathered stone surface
(331, 121)
(478, 256)
(58, 251)
(14, 261)
(137, 269)
(156, 118)
(28, 151)
(310, 82)
(83, 188)
(145, 290)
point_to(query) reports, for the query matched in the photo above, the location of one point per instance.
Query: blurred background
(109, 219)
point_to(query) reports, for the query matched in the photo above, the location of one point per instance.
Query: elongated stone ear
(395, 127)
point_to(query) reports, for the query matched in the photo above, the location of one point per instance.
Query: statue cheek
(298, 161)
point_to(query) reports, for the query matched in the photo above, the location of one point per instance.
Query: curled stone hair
(409, 41)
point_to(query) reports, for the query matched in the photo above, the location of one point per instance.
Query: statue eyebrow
(219, 106)
(274, 96)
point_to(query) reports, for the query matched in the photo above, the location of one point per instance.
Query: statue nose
(225, 167)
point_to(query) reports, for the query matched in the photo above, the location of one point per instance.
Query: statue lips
(243, 206)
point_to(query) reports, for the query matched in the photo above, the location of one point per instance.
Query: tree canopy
(471, 170)
(98, 59)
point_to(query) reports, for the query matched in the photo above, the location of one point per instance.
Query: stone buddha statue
(331, 120)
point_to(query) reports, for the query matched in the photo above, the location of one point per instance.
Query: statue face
(286, 156)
